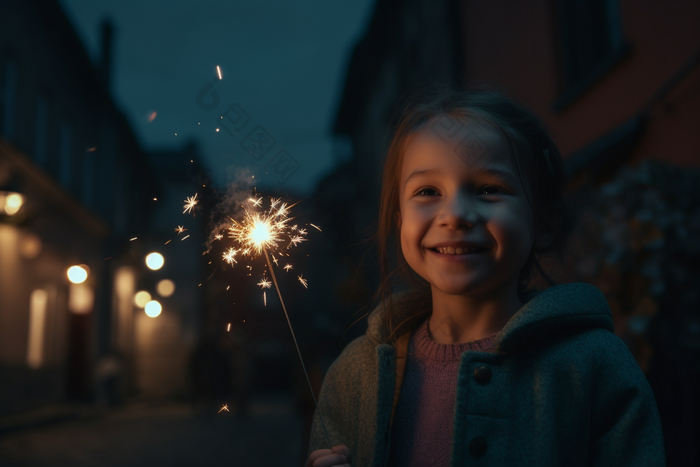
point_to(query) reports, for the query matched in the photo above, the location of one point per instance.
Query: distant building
(90, 198)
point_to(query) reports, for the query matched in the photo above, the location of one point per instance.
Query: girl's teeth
(456, 251)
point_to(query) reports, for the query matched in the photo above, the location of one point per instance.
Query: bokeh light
(155, 261)
(165, 288)
(153, 308)
(141, 298)
(10, 202)
(77, 274)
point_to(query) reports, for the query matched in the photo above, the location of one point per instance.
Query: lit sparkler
(190, 202)
(262, 233)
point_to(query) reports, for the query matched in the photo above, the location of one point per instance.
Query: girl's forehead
(447, 141)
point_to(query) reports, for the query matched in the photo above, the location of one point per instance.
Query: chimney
(106, 37)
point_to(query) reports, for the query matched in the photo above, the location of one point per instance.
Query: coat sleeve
(626, 429)
(337, 405)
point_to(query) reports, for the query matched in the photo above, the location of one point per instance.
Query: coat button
(482, 374)
(478, 446)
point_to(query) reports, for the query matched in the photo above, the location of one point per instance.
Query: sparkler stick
(256, 233)
(274, 279)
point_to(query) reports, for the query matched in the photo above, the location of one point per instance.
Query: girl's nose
(459, 212)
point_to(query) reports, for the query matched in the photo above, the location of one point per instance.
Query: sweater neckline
(425, 347)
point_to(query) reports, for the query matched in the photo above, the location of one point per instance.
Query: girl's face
(457, 192)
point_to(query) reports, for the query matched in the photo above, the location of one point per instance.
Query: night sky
(282, 62)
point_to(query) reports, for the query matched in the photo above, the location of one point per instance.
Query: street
(172, 435)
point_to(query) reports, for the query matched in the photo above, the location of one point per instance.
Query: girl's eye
(425, 192)
(490, 187)
(433, 192)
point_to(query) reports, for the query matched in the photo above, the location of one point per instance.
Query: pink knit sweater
(422, 428)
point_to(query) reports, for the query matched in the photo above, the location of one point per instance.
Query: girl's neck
(459, 318)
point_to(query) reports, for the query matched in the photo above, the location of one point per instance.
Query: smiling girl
(467, 366)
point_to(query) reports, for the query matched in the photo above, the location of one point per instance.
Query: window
(591, 44)
(41, 128)
(8, 98)
(37, 320)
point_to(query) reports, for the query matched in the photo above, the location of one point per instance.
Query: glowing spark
(190, 203)
(168, 241)
(256, 202)
(302, 232)
(316, 227)
(184, 238)
(304, 282)
(224, 407)
(260, 231)
(287, 267)
(228, 287)
(131, 240)
(152, 116)
(179, 229)
(228, 328)
(274, 202)
(218, 237)
(265, 298)
(296, 240)
(229, 256)
(275, 261)
(218, 70)
(264, 283)
(294, 227)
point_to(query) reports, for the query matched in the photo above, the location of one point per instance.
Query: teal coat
(564, 390)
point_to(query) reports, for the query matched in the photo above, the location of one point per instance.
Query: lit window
(37, 320)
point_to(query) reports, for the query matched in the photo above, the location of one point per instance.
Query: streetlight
(155, 261)
(77, 274)
(10, 202)
(141, 298)
(153, 308)
(165, 288)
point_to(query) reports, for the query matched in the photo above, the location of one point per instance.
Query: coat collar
(544, 314)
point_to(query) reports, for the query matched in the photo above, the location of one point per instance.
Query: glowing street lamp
(141, 298)
(77, 274)
(155, 261)
(10, 202)
(165, 288)
(153, 309)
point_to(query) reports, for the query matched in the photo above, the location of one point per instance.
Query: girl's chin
(454, 288)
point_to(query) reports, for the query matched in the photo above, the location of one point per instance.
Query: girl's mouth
(459, 251)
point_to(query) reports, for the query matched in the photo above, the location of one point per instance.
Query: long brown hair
(534, 154)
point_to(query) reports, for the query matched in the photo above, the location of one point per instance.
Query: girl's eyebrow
(418, 173)
(491, 171)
